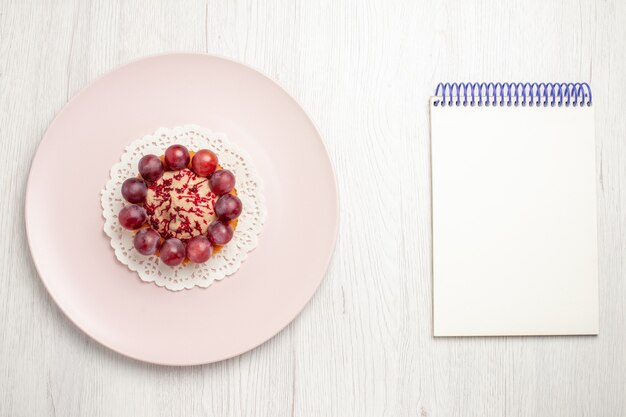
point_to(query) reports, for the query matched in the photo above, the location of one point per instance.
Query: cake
(183, 206)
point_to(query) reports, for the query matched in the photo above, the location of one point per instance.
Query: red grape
(228, 207)
(146, 241)
(176, 157)
(199, 249)
(132, 217)
(204, 162)
(172, 252)
(220, 233)
(134, 190)
(150, 167)
(222, 182)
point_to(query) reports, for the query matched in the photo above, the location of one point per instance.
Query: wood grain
(363, 70)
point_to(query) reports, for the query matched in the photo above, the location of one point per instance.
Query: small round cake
(184, 206)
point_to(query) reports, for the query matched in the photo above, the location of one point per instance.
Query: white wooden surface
(364, 70)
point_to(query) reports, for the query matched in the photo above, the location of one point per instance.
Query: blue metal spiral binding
(513, 94)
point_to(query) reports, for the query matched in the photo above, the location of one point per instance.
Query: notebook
(514, 209)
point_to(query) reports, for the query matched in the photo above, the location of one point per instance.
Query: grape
(199, 249)
(220, 233)
(150, 168)
(176, 157)
(146, 241)
(172, 252)
(228, 207)
(132, 217)
(204, 162)
(134, 190)
(222, 182)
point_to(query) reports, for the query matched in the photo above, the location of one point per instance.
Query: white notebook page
(514, 221)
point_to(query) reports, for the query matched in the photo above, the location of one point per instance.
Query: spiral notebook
(514, 209)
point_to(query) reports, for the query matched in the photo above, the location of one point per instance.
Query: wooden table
(364, 71)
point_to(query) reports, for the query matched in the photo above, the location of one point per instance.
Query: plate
(110, 303)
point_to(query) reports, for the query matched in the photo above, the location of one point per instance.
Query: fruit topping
(228, 207)
(132, 217)
(150, 168)
(199, 249)
(222, 182)
(172, 252)
(176, 157)
(220, 233)
(204, 162)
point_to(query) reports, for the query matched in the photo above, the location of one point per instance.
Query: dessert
(184, 206)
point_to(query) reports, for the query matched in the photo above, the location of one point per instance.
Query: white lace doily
(230, 257)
